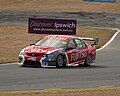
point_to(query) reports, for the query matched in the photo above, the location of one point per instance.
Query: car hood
(40, 49)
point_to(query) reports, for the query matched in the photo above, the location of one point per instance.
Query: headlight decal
(21, 62)
(50, 55)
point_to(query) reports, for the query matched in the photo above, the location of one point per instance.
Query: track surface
(105, 72)
(83, 19)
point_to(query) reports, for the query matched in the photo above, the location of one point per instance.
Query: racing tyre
(21, 65)
(60, 61)
(88, 60)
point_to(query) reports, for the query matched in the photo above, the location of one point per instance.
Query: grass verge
(15, 37)
(65, 92)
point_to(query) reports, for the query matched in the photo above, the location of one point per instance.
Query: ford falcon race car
(59, 51)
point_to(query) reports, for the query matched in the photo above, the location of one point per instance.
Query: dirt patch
(65, 92)
(15, 37)
(59, 6)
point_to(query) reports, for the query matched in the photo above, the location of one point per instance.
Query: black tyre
(88, 60)
(21, 65)
(60, 61)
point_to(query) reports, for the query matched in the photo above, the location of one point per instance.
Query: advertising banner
(52, 26)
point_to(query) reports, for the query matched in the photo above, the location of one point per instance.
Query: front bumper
(43, 62)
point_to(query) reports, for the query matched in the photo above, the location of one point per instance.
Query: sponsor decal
(53, 37)
(52, 26)
(37, 50)
(76, 56)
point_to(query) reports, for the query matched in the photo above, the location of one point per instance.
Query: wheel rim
(88, 60)
(60, 61)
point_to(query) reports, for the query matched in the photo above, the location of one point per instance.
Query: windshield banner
(52, 26)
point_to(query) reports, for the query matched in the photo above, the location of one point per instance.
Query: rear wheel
(88, 60)
(60, 61)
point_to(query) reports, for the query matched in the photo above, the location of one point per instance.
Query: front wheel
(88, 60)
(60, 61)
(21, 65)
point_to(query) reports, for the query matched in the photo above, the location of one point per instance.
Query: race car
(60, 51)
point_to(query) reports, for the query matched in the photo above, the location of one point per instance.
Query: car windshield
(52, 43)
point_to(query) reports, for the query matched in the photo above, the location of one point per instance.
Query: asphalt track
(105, 72)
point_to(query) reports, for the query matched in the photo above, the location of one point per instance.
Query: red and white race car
(59, 51)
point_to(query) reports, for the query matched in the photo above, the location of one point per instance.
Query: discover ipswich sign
(52, 26)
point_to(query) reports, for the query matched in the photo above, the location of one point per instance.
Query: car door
(82, 50)
(71, 51)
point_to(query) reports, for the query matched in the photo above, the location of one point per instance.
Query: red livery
(59, 51)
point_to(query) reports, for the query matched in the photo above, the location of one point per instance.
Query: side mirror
(70, 47)
(32, 44)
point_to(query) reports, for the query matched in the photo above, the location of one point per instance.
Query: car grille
(32, 63)
(34, 54)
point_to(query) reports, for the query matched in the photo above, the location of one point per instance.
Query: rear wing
(95, 40)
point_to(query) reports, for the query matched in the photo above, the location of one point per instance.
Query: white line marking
(113, 37)
(104, 28)
(9, 63)
(106, 86)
